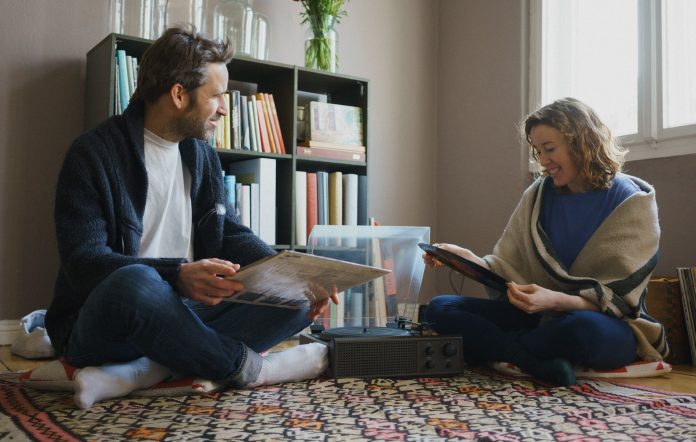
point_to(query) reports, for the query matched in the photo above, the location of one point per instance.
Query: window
(631, 60)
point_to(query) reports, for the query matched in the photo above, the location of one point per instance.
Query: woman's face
(554, 157)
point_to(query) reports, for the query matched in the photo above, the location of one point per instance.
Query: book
(246, 139)
(231, 192)
(333, 154)
(322, 197)
(276, 122)
(255, 202)
(300, 208)
(245, 216)
(263, 172)
(261, 120)
(350, 199)
(362, 200)
(295, 280)
(235, 125)
(263, 104)
(122, 79)
(227, 123)
(336, 198)
(254, 123)
(325, 145)
(334, 123)
(312, 204)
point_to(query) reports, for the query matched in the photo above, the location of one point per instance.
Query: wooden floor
(682, 379)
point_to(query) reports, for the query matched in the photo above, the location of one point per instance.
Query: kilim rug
(475, 406)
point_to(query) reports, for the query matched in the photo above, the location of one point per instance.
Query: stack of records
(687, 282)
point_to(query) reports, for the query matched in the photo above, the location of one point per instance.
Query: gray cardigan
(100, 201)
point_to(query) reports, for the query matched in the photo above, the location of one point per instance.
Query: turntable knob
(429, 350)
(449, 349)
(429, 363)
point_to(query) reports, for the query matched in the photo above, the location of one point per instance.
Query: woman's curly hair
(596, 153)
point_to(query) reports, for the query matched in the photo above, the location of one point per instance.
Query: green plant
(321, 15)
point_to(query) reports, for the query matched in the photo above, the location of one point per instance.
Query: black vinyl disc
(365, 332)
(466, 267)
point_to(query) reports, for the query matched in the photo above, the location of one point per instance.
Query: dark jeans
(492, 330)
(135, 313)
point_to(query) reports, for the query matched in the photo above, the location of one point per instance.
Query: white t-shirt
(167, 227)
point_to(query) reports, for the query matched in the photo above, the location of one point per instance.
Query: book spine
(301, 208)
(227, 124)
(312, 205)
(122, 78)
(350, 199)
(322, 195)
(246, 139)
(336, 198)
(261, 98)
(265, 142)
(362, 200)
(276, 122)
(332, 154)
(234, 120)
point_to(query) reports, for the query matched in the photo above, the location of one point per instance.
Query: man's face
(206, 105)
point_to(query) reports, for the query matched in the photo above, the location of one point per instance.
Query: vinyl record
(363, 332)
(466, 267)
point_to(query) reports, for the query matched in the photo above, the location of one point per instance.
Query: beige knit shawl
(612, 270)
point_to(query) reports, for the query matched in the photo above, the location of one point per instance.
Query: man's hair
(180, 55)
(593, 149)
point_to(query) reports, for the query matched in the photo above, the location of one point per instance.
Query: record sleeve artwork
(466, 267)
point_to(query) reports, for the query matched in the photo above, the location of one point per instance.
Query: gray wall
(447, 88)
(43, 44)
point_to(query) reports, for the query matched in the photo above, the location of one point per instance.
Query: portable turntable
(375, 331)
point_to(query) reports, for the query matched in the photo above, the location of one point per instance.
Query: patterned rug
(475, 406)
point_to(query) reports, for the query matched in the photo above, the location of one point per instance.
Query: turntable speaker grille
(376, 358)
(402, 356)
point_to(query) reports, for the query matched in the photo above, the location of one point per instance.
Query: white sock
(298, 363)
(93, 384)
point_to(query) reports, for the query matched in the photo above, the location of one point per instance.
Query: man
(145, 243)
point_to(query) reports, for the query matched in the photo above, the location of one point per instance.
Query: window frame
(652, 139)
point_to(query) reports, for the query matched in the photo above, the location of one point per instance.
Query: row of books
(251, 124)
(328, 198)
(250, 187)
(126, 75)
(687, 283)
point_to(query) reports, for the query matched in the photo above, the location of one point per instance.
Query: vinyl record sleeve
(466, 267)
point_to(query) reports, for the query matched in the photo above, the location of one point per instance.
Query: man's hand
(532, 298)
(204, 281)
(318, 308)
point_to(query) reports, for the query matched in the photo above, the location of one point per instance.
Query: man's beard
(188, 126)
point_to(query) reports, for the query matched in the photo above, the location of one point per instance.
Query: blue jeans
(135, 313)
(494, 330)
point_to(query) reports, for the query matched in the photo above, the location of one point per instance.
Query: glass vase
(233, 19)
(321, 44)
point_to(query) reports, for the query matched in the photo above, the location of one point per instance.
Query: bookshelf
(282, 80)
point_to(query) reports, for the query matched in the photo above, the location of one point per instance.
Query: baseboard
(9, 329)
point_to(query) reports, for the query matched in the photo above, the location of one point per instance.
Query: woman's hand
(532, 298)
(460, 251)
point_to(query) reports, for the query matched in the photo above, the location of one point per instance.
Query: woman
(578, 252)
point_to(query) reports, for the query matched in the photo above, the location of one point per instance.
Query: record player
(376, 330)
